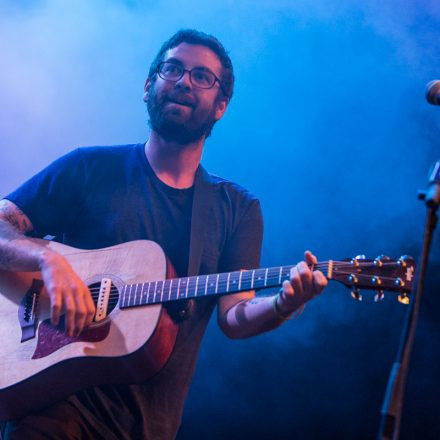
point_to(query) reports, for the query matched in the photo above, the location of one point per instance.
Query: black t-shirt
(101, 196)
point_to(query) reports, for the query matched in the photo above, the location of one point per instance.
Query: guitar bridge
(28, 311)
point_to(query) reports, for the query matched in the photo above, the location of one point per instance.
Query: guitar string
(271, 278)
(174, 295)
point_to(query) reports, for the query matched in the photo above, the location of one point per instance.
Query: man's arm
(244, 315)
(67, 292)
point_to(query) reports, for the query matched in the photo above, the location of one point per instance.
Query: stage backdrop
(328, 126)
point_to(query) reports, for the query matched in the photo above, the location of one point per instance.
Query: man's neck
(174, 164)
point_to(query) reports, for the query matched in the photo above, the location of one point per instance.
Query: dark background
(328, 126)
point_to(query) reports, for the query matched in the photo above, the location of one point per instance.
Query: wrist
(47, 257)
(283, 312)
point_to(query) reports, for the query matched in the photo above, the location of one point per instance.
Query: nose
(185, 81)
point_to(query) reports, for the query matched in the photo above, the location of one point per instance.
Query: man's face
(179, 111)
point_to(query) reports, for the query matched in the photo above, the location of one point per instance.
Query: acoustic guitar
(131, 336)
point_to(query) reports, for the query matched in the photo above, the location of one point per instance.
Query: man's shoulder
(107, 150)
(233, 189)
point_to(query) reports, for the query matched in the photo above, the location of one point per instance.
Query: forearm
(18, 252)
(252, 317)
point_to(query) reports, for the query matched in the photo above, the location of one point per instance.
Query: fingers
(306, 283)
(69, 307)
(55, 304)
(310, 258)
(319, 281)
(91, 309)
(68, 293)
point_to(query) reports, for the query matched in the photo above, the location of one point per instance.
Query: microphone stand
(393, 401)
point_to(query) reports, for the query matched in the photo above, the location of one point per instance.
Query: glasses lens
(202, 78)
(170, 71)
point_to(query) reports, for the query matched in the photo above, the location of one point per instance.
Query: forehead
(195, 55)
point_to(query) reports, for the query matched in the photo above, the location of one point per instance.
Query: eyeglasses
(199, 76)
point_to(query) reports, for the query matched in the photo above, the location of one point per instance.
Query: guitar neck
(155, 292)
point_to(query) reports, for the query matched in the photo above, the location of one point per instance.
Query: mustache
(180, 97)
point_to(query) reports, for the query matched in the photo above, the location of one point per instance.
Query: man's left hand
(304, 284)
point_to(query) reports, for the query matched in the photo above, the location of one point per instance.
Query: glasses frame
(190, 76)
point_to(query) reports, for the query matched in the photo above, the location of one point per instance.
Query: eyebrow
(177, 61)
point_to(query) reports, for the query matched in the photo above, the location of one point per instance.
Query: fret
(287, 272)
(197, 285)
(227, 282)
(143, 293)
(154, 294)
(211, 285)
(174, 289)
(160, 292)
(233, 281)
(259, 279)
(186, 290)
(279, 278)
(239, 280)
(169, 290)
(246, 280)
(222, 282)
(129, 295)
(265, 277)
(192, 286)
(165, 287)
(183, 286)
(124, 296)
(216, 284)
(178, 288)
(148, 292)
(206, 285)
(252, 280)
(136, 302)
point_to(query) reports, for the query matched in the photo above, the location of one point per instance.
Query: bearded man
(101, 196)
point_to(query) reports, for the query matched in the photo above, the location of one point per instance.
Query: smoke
(328, 126)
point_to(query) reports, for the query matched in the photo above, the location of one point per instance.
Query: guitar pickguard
(51, 339)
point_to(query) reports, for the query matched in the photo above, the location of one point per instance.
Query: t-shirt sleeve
(48, 198)
(243, 248)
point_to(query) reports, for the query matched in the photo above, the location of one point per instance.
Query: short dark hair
(191, 36)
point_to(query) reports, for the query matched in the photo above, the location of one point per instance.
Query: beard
(172, 125)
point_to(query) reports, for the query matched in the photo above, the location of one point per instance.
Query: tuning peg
(403, 298)
(399, 282)
(384, 257)
(376, 280)
(353, 279)
(378, 261)
(355, 294)
(355, 260)
(404, 260)
(380, 295)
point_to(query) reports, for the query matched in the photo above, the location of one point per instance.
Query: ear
(221, 107)
(146, 89)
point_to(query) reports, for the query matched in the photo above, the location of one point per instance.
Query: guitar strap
(203, 196)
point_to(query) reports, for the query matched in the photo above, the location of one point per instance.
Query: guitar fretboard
(155, 292)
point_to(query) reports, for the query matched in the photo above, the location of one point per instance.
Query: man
(101, 196)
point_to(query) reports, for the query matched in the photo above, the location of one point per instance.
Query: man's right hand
(66, 290)
(67, 293)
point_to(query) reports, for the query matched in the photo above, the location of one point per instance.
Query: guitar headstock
(381, 274)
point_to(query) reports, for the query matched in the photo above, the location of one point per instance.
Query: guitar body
(40, 364)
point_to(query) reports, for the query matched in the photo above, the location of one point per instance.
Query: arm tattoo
(13, 215)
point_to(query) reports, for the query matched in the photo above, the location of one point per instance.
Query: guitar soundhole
(113, 297)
